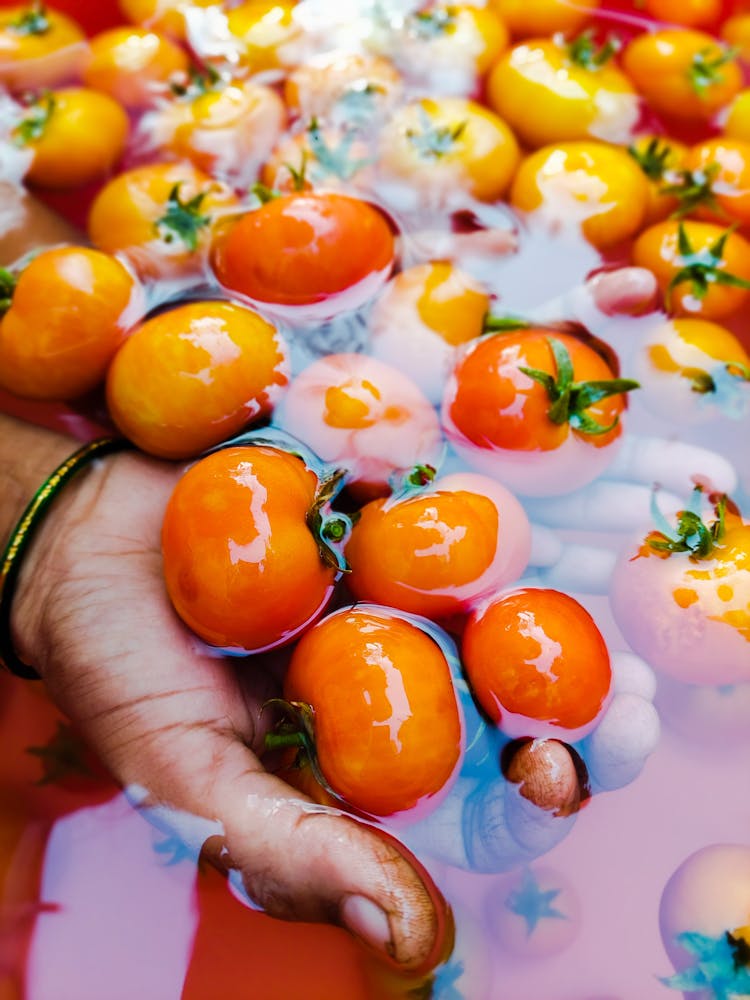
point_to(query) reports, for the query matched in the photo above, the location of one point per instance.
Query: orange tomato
(164, 16)
(507, 406)
(688, 13)
(266, 33)
(719, 185)
(357, 412)
(345, 85)
(660, 160)
(160, 217)
(303, 249)
(69, 313)
(442, 42)
(527, 18)
(682, 73)
(328, 156)
(537, 654)
(76, 136)
(735, 31)
(736, 120)
(702, 269)
(225, 129)
(435, 551)
(133, 65)
(590, 186)
(242, 568)
(192, 377)
(39, 47)
(446, 144)
(387, 727)
(553, 90)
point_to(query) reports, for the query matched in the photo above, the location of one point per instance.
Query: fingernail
(368, 921)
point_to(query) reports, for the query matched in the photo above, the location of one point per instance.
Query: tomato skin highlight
(192, 377)
(301, 249)
(537, 654)
(388, 730)
(241, 567)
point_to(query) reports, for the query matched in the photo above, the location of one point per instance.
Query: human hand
(169, 716)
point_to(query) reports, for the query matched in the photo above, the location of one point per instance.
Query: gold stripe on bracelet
(20, 539)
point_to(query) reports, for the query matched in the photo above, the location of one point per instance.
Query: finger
(626, 291)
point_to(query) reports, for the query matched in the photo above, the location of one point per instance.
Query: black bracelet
(12, 557)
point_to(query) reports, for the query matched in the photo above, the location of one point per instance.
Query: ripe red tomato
(242, 567)
(386, 723)
(437, 550)
(192, 377)
(537, 654)
(69, 313)
(306, 248)
(508, 412)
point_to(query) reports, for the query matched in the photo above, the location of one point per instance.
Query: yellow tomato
(688, 13)
(549, 90)
(720, 180)
(702, 269)
(737, 118)
(450, 143)
(39, 47)
(166, 16)
(682, 73)
(348, 83)
(266, 32)
(526, 18)
(660, 159)
(590, 185)
(133, 65)
(457, 33)
(736, 32)
(77, 135)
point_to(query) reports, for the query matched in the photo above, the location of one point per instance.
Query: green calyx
(33, 126)
(586, 52)
(7, 288)
(706, 68)
(504, 324)
(691, 533)
(433, 23)
(196, 82)
(571, 399)
(263, 193)
(183, 220)
(334, 160)
(433, 141)
(299, 174)
(702, 268)
(296, 728)
(693, 189)
(330, 529)
(33, 21)
(654, 159)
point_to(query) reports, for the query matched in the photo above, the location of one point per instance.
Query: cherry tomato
(688, 13)
(193, 376)
(436, 551)
(266, 33)
(701, 268)
(242, 568)
(386, 722)
(225, 129)
(507, 410)
(717, 186)
(160, 217)
(164, 16)
(68, 314)
(306, 248)
(553, 90)
(343, 87)
(449, 144)
(682, 73)
(537, 655)
(527, 18)
(364, 415)
(660, 160)
(76, 136)
(421, 316)
(735, 31)
(331, 156)
(39, 47)
(694, 370)
(736, 118)
(590, 186)
(681, 597)
(133, 65)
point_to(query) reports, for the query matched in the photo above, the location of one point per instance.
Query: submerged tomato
(69, 312)
(192, 377)
(39, 47)
(133, 65)
(537, 654)
(242, 568)
(386, 721)
(305, 248)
